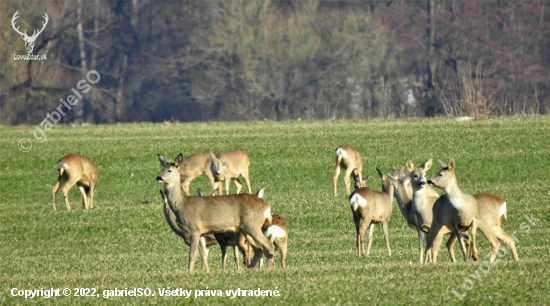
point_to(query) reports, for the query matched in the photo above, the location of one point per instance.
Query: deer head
(29, 40)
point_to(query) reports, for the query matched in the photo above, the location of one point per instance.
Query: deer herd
(244, 221)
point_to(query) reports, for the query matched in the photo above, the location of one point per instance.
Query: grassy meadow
(125, 242)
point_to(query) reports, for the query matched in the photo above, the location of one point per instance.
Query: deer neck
(454, 193)
(174, 195)
(403, 205)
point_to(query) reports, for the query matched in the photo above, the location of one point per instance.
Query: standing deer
(229, 166)
(373, 207)
(202, 215)
(349, 159)
(491, 209)
(170, 215)
(76, 169)
(232, 239)
(400, 182)
(194, 166)
(455, 210)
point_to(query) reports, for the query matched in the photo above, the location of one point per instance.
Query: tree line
(276, 60)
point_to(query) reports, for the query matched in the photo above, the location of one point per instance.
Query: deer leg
(204, 253)
(371, 235)
(335, 179)
(185, 185)
(267, 247)
(421, 239)
(450, 246)
(501, 234)
(247, 180)
(386, 236)
(60, 181)
(492, 238)
(347, 179)
(84, 196)
(475, 224)
(236, 253)
(226, 185)
(434, 241)
(282, 245)
(70, 183)
(193, 248)
(91, 192)
(238, 184)
(358, 243)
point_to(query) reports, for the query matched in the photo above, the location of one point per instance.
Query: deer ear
(199, 192)
(260, 193)
(212, 156)
(162, 160)
(442, 164)
(452, 163)
(366, 180)
(380, 173)
(427, 165)
(409, 164)
(178, 161)
(215, 193)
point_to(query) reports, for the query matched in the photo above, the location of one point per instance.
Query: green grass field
(125, 242)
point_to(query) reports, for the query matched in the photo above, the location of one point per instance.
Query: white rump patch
(341, 152)
(273, 232)
(357, 201)
(60, 165)
(502, 210)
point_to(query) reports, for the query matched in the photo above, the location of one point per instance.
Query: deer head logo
(29, 40)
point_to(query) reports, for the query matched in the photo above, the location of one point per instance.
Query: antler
(43, 27)
(13, 24)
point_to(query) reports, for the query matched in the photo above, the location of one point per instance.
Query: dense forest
(147, 60)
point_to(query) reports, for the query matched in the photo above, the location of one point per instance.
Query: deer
(456, 210)
(491, 210)
(229, 166)
(232, 239)
(76, 169)
(29, 40)
(170, 215)
(197, 215)
(349, 159)
(194, 166)
(372, 207)
(277, 232)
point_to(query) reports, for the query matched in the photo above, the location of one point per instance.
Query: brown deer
(349, 159)
(456, 210)
(194, 166)
(206, 240)
(76, 169)
(404, 202)
(231, 239)
(372, 207)
(203, 215)
(229, 166)
(277, 232)
(491, 210)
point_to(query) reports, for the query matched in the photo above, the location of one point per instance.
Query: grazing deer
(76, 169)
(170, 215)
(277, 232)
(202, 215)
(349, 159)
(455, 210)
(232, 239)
(373, 207)
(229, 166)
(194, 166)
(491, 210)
